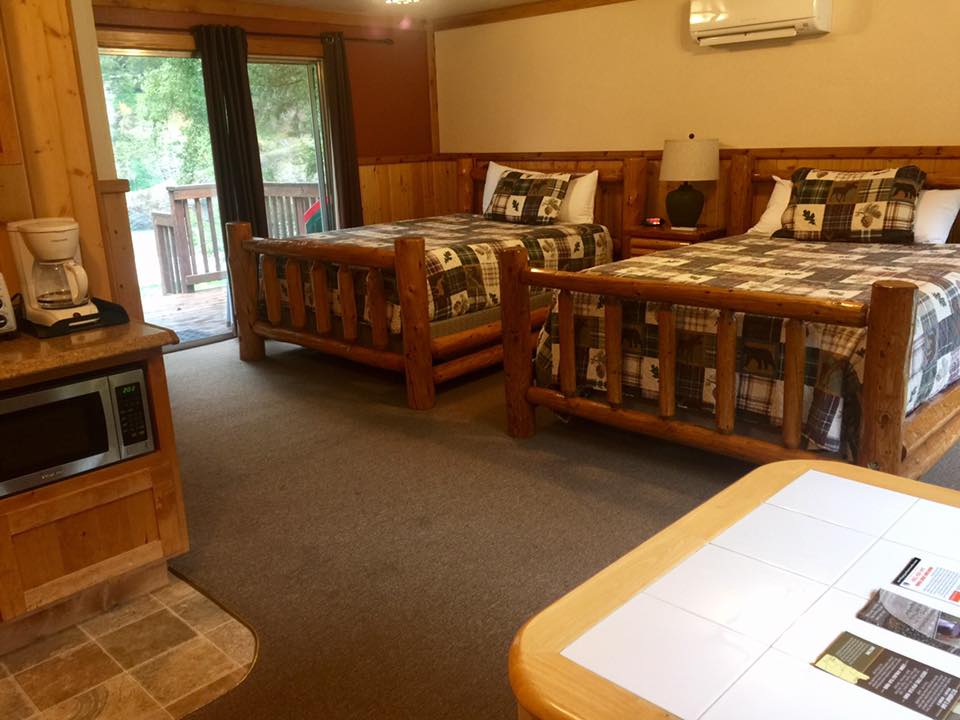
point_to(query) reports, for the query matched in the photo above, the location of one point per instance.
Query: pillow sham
(937, 211)
(874, 206)
(528, 198)
(769, 222)
(577, 205)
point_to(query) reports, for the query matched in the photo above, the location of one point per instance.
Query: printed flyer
(930, 580)
(913, 620)
(911, 684)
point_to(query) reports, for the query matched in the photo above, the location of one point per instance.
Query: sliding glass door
(293, 154)
(161, 139)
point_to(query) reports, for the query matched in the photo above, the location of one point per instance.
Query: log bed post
(517, 368)
(634, 202)
(243, 285)
(410, 263)
(740, 202)
(885, 374)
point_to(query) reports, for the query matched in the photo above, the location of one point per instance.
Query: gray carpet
(386, 557)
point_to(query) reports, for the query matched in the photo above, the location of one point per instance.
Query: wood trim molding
(432, 86)
(200, 9)
(182, 41)
(517, 12)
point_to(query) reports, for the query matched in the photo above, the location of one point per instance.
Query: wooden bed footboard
(889, 441)
(424, 361)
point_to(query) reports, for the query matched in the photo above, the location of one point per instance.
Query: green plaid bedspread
(463, 273)
(835, 355)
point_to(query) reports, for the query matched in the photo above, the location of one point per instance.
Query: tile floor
(158, 657)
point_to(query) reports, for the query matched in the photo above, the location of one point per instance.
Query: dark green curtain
(343, 135)
(233, 129)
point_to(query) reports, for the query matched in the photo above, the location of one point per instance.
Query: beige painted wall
(626, 76)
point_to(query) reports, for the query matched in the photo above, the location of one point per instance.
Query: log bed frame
(889, 440)
(424, 361)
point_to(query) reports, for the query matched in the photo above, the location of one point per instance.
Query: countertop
(27, 355)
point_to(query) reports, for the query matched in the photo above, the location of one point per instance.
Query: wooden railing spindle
(667, 360)
(321, 299)
(726, 389)
(613, 339)
(271, 289)
(348, 303)
(795, 357)
(298, 307)
(568, 358)
(377, 308)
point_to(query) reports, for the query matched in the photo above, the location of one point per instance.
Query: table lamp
(688, 161)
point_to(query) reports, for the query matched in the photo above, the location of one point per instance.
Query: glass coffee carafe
(59, 284)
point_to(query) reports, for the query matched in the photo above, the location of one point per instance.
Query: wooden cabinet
(75, 547)
(642, 240)
(64, 538)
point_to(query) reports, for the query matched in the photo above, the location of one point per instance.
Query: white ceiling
(431, 9)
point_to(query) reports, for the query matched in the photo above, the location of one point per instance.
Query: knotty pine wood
(406, 190)
(54, 137)
(517, 349)
(244, 284)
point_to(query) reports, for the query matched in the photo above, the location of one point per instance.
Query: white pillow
(770, 222)
(937, 210)
(577, 205)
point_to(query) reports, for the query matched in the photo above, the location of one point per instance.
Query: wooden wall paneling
(263, 11)
(118, 246)
(53, 129)
(9, 132)
(432, 87)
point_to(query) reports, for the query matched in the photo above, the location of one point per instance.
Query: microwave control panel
(133, 419)
(132, 412)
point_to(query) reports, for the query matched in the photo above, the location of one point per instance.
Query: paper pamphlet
(909, 683)
(913, 620)
(930, 580)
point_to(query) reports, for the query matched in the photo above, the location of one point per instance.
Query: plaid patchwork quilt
(865, 206)
(835, 355)
(527, 198)
(463, 273)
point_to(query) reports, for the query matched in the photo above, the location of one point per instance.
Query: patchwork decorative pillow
(528, 198)
(874, 206)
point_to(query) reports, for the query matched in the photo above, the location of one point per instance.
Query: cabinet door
(79, 533)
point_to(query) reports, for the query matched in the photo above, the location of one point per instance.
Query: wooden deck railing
(189, 240)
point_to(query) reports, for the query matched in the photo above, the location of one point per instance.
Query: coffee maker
(54, 283)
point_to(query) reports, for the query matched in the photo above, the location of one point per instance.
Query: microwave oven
(54, 431)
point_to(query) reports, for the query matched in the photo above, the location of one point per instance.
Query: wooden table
(548, 686)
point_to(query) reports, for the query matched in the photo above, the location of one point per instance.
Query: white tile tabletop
(738, 592)
(799, 543)
(929, 526)
(676, 660)
(858, 506)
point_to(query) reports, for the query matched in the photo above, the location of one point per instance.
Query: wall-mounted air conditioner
(725, 22)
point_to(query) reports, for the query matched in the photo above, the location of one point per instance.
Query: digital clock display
(130, 389)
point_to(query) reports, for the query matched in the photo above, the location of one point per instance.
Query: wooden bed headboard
(621, 185)
(751, 173)
(399, 188)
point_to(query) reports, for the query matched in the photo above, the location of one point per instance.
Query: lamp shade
(689, 160)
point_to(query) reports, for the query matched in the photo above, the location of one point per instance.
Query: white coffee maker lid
(44, 225)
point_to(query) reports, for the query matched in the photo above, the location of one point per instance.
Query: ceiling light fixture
(401, 2)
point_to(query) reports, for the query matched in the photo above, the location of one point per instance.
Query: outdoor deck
(193, 316)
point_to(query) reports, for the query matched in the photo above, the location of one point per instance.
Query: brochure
(930, 580)
(913, 620)
(911, 684)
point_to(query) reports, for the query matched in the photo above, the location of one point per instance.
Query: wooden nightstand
(643, 240)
